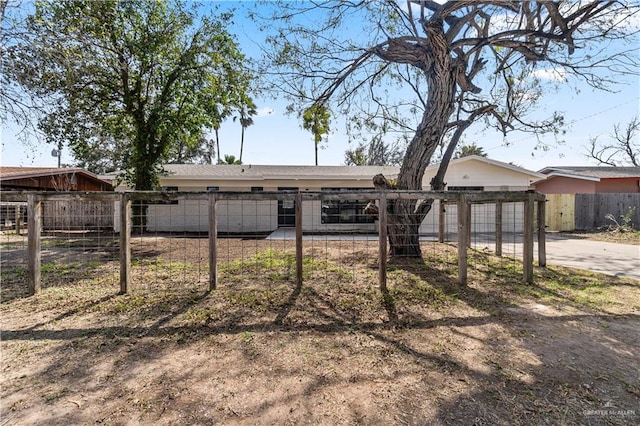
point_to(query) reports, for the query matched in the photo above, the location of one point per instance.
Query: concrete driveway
(608, 258)
(565, 250)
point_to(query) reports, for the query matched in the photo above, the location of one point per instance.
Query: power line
(571, 123)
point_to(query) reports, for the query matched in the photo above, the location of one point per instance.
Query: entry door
(286, 210)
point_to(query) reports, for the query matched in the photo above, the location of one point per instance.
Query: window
(466, 188)
(169, 188)
(213, 188)
(257, 189)
(345, 211)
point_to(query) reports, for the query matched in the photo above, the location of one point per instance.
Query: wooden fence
(588, 212)
(74, 214)
(463, 201)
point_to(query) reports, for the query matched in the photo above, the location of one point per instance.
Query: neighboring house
(467, 173)
(583, 198)
(589, 180)
(50, 179)
(60, 214)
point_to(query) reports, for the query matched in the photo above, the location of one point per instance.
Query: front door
(286, 210)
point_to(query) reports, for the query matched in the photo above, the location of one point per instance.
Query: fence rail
(208, 208)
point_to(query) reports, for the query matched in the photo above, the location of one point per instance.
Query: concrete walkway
(607, 258)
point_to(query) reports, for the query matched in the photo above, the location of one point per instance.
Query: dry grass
(260, 350)
(623, 236)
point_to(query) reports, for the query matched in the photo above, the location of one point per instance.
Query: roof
(594, 173)
(11, 173)
(493, 162)
(259, 172)
(288, 172)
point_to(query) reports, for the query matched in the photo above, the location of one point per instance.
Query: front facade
(264, 216)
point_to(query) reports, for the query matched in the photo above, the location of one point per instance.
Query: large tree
(444, 65)
(15, 105)
(139, 82)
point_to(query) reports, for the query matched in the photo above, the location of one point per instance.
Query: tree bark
(406, 216)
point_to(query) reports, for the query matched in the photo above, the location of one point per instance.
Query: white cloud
(551, 74)
(265, 112)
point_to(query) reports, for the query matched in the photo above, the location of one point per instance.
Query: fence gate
(560, 212)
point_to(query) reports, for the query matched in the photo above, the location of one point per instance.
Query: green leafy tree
(432, 69)
(471, 149)
(16, 105)
(136, 81)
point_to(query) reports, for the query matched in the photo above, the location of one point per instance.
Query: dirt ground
(337, 350)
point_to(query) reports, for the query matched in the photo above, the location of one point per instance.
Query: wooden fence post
(542, 230)
(18, 218)
(125, 243)
(298, 213)
(463, 229)
(498, 228)
(213, 243)
(382, 242)
(441, 220)
(34, 229)
(529, 224)
(468, 210)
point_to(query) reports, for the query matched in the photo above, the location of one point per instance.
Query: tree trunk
(144, 178)
(405, 216)
(217, 146)
(241, 144)
(404, 237)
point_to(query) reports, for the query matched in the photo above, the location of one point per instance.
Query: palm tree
(230, 159)
(246, 111)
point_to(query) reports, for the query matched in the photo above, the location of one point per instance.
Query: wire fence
(167, 240)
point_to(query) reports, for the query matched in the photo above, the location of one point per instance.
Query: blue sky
(276, 138)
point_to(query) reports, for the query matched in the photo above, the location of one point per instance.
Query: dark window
(213, 188)
(345, 211)
(466, 188)
(169, 188)
(257, 189)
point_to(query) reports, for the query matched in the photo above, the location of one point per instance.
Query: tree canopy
(132, 84)
(432, 69)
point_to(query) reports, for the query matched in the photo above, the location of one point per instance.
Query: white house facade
(471, 173)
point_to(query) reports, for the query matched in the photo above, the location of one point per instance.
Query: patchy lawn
(259, 350)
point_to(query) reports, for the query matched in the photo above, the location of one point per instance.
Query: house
(467, 173)
(589, 180)
(583, 198)
(56, 215)
(50, 179)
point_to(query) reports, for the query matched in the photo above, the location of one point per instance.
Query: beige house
(471, 173)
